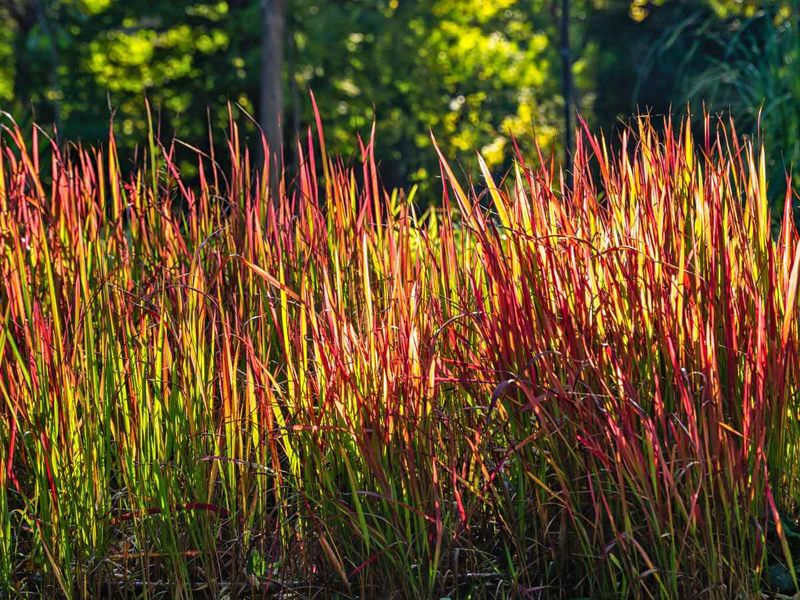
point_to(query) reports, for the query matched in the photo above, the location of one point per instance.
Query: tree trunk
(271, 105)
(55, 81)
(23, 14)
(567, 89)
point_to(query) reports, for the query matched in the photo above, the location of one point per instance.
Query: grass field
(529, 391)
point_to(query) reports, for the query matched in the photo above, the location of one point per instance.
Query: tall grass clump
(530, 391)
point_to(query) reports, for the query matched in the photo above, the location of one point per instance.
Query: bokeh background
(474, 72)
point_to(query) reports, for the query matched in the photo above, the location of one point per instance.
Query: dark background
(473, 72)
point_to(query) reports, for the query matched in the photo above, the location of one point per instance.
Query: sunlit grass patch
(528, 391)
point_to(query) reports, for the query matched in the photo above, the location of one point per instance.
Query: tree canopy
(473, 73)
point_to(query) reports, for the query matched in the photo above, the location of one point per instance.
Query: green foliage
(184, 56)
(745, 61)
(475, 73)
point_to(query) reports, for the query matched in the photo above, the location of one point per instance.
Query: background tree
(567, 84)
(271, 93)
(475, 73)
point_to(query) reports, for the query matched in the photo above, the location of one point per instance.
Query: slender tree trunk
(294, 92)
(55, 81)
(25, 17)
(567, 88)
(271, 104)
(291, 48)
